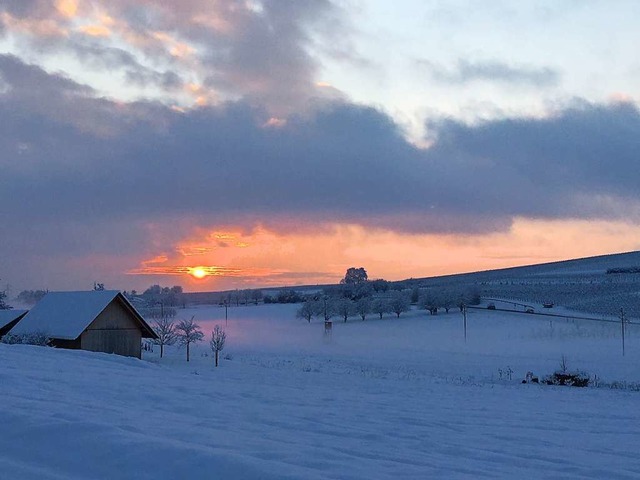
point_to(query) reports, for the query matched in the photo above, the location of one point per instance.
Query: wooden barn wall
(113, 331)
(71, 344)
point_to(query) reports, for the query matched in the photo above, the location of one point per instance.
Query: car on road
(529, 310)
(491, 306)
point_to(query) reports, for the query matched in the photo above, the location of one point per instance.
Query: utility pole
(464, 321)
(622, 328)
(226, 316)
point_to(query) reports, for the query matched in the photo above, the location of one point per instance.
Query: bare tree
(256, 296)
(399, 303)
(345, 308)
(188, 332)
(326, 308)
(165, 328)
(30, 297)
(429, 302)
(447, 301)
(363, 307)
(380, 306)
(3, 304)
(308, 309)
(245, 295)
(218, 337)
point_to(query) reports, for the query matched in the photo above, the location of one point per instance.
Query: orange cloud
(201, 96)
(266, 257)
(95, 30)
(175, 47)
(67, 8)
(275, 122)
(37, 27)
(214, 22)
(157, 259)
(211, 270)
(621, 97)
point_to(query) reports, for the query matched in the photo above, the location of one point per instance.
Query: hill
(579, 284)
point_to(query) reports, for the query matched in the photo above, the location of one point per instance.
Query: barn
(8, 319)
(98, 321)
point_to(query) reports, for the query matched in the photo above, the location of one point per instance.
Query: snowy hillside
(581, 284)
(382, 399)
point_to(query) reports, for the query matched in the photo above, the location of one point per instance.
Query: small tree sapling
(218, 337)
(188, 332)
(165, 328)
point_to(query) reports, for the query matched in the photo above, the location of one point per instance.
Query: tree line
(356, 296)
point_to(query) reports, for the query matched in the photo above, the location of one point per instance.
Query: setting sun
(198, 272)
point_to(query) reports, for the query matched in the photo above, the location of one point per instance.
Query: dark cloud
(85, 177)
(491, 71)
(271, 63)
(29, 8)
(344, 163)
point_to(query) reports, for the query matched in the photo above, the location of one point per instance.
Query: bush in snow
(571, 379)
(564, 377)
(32, 338)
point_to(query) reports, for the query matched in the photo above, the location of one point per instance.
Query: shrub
(571, 379)
(33, 338)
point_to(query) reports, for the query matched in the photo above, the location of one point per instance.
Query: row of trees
(242, 297)
(397, 302)
(330, 307)
(3, 301)
(3, 304)
(31, 297)
(169, 296)
(185, 333)
(285, 296)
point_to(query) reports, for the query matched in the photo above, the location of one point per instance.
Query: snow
(380, 399)
(8, 316)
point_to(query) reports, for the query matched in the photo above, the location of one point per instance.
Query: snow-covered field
(391, 398)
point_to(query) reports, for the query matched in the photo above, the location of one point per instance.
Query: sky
(280, 142)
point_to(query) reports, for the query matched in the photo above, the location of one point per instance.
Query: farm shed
(8, 319)
(98, 321)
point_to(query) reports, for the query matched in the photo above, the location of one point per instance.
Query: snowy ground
(391, 398)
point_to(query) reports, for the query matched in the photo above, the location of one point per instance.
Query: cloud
(466, 71)
(84, 177)
(71, 156)
(260, 51)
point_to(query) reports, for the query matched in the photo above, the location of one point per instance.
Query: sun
(198, 272)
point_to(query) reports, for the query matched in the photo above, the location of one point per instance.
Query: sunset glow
(265, 257)
(198, 272)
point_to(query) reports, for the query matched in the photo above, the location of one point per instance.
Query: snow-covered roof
(8, 316)
(65, 315)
